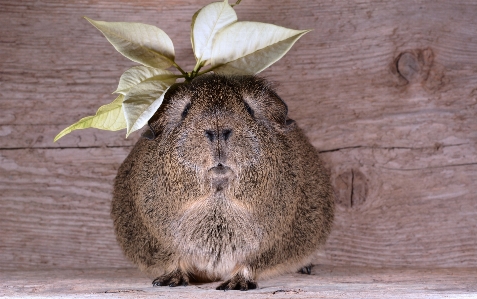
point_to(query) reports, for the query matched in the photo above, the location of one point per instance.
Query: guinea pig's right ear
(173, 110)
(149, 133)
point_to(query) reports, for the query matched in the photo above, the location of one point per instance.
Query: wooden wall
(386, 90)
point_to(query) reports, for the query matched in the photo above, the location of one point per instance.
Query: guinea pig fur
(222, 187)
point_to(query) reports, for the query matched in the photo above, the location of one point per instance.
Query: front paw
(238, 282)
(172, 279)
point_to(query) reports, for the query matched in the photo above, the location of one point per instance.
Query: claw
(158, 282)
(238, 282)
(172, 279)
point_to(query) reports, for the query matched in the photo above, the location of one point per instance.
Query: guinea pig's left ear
(263, 100)
(277, 107)
(267, 105)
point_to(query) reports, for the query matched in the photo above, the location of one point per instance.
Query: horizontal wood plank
(325, 282)
(55, 207)
(402, 207)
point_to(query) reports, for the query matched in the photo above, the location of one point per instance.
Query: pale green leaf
(250, 47)
(138, 74)
(145, 44)
(206, 23)
(108, 117)
(142, 101)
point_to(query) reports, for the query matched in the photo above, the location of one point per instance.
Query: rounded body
(224, 186)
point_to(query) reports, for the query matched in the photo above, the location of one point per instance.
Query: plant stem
(236, 3)
(195, 71)
(208, 70)
(179, 68)
(197, 67)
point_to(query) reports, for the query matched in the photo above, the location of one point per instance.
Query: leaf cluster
(219, 42)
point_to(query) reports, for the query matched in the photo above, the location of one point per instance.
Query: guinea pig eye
(249, 110)
(185, 111)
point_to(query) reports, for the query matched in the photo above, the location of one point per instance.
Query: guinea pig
(222, 186)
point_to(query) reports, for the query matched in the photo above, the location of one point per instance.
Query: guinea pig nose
(226, 133)
(223, 135)
(210, 135)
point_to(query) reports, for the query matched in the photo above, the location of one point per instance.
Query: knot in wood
(418, 67)
(408, 66)
(351, 188)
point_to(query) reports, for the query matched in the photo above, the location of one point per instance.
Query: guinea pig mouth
(220, 176)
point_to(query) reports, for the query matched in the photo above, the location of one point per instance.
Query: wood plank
(401, 207)
(407, 208)
(339, 78)
(325, 282)
(55, 208)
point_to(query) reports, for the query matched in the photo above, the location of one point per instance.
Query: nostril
(210, 135)
(226, 134)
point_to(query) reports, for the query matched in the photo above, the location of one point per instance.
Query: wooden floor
(325, 282)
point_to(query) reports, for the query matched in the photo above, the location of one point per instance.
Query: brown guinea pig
(223, 186)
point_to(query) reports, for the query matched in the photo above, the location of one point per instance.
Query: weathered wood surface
(325, 282)
(387, 91)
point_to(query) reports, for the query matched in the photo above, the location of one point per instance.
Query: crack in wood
(341, 148)
(64, 147)
(123, 291)
(430, 167)
(352, 187)
(321, 152)
(390, 147)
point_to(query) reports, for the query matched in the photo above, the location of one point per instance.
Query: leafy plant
(218, 40)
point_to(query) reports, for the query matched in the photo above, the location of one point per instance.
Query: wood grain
(55, 208)
(386, 90)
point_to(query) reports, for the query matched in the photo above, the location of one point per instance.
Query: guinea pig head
(219, 126)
